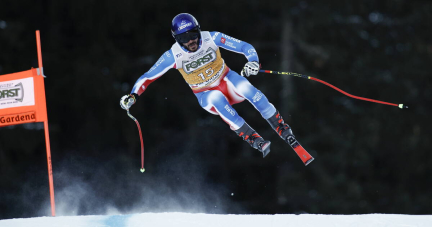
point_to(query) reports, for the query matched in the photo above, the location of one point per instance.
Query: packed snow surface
(209, 220)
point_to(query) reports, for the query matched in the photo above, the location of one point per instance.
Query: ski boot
(254, 139)
(281, 128)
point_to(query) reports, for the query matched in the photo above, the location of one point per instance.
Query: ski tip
(309, 161)
(142, 170)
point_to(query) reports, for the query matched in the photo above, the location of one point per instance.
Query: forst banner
(22, 98)
(12, 93)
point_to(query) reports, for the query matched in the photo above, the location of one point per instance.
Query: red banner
(22, 98)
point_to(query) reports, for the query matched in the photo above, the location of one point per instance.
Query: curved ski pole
(334, 87)
(141, 138)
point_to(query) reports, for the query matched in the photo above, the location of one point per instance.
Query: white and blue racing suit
(216, 87)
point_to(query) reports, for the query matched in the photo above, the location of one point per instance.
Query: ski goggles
(185, 37)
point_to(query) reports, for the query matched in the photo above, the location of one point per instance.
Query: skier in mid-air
(197, 56)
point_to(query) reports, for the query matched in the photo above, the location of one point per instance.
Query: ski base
(300, 151)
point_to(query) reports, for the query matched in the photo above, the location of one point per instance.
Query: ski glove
(127, 101)
(251, 68)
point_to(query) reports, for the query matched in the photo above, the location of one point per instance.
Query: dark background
(369, 158)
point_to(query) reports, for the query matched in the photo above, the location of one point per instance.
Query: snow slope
(209, 220)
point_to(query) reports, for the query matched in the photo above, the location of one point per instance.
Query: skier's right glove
(251, 68)
(128, 100)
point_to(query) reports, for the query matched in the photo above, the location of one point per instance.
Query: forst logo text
(10, 93)
(192, 65)
(200, 61)
(16, 92)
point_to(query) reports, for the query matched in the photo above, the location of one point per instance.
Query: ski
(300, 151)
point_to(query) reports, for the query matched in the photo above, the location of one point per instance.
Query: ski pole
(141, 138)
(334, 87)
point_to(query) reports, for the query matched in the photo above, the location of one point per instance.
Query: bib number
(208, 73)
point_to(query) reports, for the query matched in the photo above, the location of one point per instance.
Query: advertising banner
(22, 98)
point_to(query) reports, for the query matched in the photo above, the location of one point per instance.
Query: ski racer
(196, 55)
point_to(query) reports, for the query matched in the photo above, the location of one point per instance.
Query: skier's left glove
(251, 68)
(128, 100)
